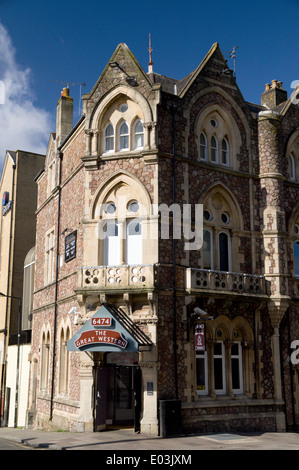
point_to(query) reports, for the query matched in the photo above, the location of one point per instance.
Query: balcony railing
(116, 277)
(203, 279)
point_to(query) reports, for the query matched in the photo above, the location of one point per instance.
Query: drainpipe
(3, 373)
(173, 110)
(60, 156)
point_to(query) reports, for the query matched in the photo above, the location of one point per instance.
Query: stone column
(277, 308)
(149, 421)
(85, 421)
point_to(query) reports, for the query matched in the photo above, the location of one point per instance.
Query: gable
(212, 66)
(113, 76)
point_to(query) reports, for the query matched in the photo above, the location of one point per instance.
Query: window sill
(224, 401)
(222, 397)
(121, 153)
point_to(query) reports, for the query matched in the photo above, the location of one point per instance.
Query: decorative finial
(150, 64)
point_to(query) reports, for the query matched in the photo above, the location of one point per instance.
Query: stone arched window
(28, 288)
(292, 153)
(108, 138)
(126, 227)
(218, 136)
(225, 367)
(45, 361)
(292, 167)
(64, 360)
(121, 126)
(221, 218)
(124, 136)
(138, 134)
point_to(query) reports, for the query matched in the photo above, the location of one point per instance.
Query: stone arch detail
(220, 190)
(113, 95)
(113, 181)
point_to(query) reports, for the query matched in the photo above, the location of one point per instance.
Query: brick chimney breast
(273, 95)
(64, 116)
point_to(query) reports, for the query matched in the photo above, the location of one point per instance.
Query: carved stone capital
(277, 308)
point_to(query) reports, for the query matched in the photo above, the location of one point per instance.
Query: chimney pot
(65, 92)
(273, 95)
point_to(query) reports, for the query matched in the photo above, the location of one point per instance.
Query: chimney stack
(273, 95)
(64, 116)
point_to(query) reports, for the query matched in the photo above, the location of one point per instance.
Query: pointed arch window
(224, 251)
(214, 149)
(207, 249)
(296, 257)
(134, 242)
(292, 168)
(219, 367)
(138, 135)
(225, 152)
(203, 153)
(64, 361)
(45, 362)
(236, 367)
(124, 136)
(109, 138)
(111, 244)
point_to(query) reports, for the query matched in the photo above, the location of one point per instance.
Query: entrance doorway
(118, 396)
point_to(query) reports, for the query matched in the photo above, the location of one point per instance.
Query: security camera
(200, 312)
(73, 310)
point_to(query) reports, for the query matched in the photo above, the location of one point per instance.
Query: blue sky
(73, 41)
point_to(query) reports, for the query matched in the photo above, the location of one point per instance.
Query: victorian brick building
(117, 306)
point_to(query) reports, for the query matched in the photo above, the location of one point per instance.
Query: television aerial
(232, 55)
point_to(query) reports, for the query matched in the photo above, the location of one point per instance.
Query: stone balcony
(199, 280)
(112, 278)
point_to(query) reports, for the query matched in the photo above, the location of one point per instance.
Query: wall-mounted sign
(70, 246)
(5, 198)
(150, 388)
(6, 203)
(200, 338)
(90, 337)
(103, 332)
(101, 321)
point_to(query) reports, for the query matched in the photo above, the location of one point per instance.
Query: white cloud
(23, 126)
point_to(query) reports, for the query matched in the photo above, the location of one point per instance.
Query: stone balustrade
(203, 279)
(116, 277)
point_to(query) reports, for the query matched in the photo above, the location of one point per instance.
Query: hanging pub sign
(200, 338)
(70, 246)
(105, 332)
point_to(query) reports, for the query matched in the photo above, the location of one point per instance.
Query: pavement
(119, 440)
